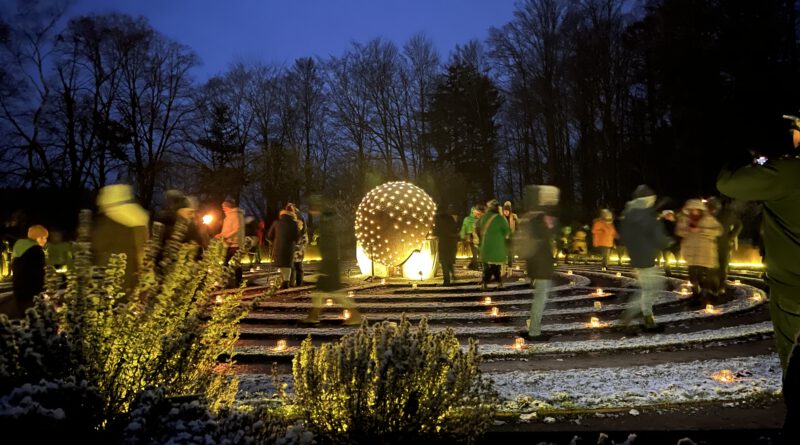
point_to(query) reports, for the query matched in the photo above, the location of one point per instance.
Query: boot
(312, 317)
(285, 285)
(650, 324)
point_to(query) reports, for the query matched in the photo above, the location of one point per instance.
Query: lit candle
(495, 311)
(208, 218)
(329, 302)
(487, 301)
(346, 314)
(414, 286)
(351, 294)
(757, 297)
(383, 280)
(281, 345)
(219, 299)
(519, 343)
(619, 274)
(599, 292)
(710, 309)
(598, 305)
(569, 272)
(594, 322)
(737, 282)
(723, 376)
(684, 291)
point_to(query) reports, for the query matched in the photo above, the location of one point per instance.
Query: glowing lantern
(487, 301)
(392, 221)
(281, 345)
(208, 218)
(723, 376)
(495, 311)
(619, 274)
(598, 305)
(737, 282)
(329, 302)
(711, 310)
(599, 293)
(569, 272)
(219, 299)
(594, 322)
(383, 280)
(757, 298)
(519, 343)
(346, 314)
(351, 294)
(413, 285)
(684, 292)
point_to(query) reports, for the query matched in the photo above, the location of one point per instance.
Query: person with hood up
(284, 234)
(468, 234)
(644, 237)
(232, 234)
(492, 230)
(27, 264)
(533, 240)
(445, 229)
(513, 221)
(603, 235)
(121, 226)
(296, 278)
(699, 231)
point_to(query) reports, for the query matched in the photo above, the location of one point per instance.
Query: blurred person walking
(673, 249)
(513, 221)
(121, 226)
(296, 278)
(644, 238)
(468, 234)
(728, 241)
(329, 282)
(534, 239)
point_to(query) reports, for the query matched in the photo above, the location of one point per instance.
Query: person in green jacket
(467, 234)
(492, 230)
(28, 264)
(776, 183)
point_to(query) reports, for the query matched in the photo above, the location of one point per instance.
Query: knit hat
(507, 205)
(694, 204)
(37, 231)
(642, 191)
(492, 204)
(117, 202)
(229, 201)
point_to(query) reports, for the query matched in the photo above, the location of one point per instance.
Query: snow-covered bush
(391, 383)
(52, 412)
(155, 418)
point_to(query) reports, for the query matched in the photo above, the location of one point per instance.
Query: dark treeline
(594, 96)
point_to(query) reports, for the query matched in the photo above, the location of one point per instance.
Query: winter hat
(507, 205)
(37, 231)
(117, 203)
(694, 204)
(492, 204)
(606, 214)
(229, 201)
(642, 191)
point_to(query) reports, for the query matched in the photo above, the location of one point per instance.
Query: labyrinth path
(721, 355)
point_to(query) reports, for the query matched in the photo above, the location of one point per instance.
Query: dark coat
(110, 237)
(329, 279)
(28, 267)
(643, 234)
(284, 234)
(446, 229)
(533, 242)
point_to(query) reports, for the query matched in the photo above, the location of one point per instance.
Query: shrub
(393, 384)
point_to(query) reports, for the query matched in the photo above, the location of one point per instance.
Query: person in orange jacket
(603, 235)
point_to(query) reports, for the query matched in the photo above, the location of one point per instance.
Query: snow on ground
(596, 388)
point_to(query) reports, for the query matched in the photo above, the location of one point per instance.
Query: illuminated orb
(392, 221)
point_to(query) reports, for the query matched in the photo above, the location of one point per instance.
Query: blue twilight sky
(279, 31)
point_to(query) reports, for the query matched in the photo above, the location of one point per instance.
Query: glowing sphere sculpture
(392, 221)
